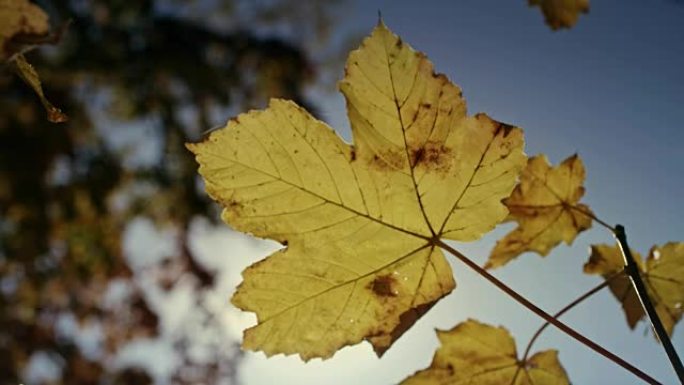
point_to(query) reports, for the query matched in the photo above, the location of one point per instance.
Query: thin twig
(569, 306)
(572, 304)
(633, 271)
(546, 316)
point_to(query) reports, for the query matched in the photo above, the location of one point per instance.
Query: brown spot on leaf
(388, 160)
(383, 342)
(442, 79)
(418, 156)
(352, 154)
(507, 128)
(384, 286)
(233, 206)
(432, 156)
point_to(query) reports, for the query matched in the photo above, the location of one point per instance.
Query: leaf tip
(55, 115)
(196, 147)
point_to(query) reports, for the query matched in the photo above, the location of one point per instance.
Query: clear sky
(611, 89)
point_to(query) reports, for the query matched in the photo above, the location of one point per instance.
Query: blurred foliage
(138, 79)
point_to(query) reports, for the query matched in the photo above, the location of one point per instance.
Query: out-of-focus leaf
(473, 353)
(546, 206)
(662, 272)
(29, 75)
(20, 18)
(360, 222)
(561, 13)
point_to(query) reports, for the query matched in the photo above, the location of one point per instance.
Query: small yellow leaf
(29, 75)
(473, 353)
(545, 205)
(360, 222)
(663, 275)
(561, 13)
(19, 18)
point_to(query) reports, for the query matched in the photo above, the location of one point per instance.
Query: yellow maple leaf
(561, 13)
(476, 353)
(546, 206)
(663, 275)
(361, 223)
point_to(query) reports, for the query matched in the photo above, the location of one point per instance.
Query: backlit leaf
(546, 206)
(360, 223)
(663, 275)
(473, 353)
(561, 13)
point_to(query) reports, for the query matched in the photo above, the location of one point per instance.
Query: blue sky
(610, 89)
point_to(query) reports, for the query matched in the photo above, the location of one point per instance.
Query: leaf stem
(569, 306)
(593, 216)
(633, 271)
(546, 316)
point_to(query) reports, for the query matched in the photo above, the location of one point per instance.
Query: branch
(569, 306)
(546, 316)
(633, 271)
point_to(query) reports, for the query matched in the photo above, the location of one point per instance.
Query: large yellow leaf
(663, 275)
(546, 206)
(561, 13)
(473, 353)
(360, 222)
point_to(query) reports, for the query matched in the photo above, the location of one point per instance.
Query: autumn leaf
(21, 23)
(476, 353)
(361, 222)
(545, 205)
(20, 19)
(561, 13)
(663, 275)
